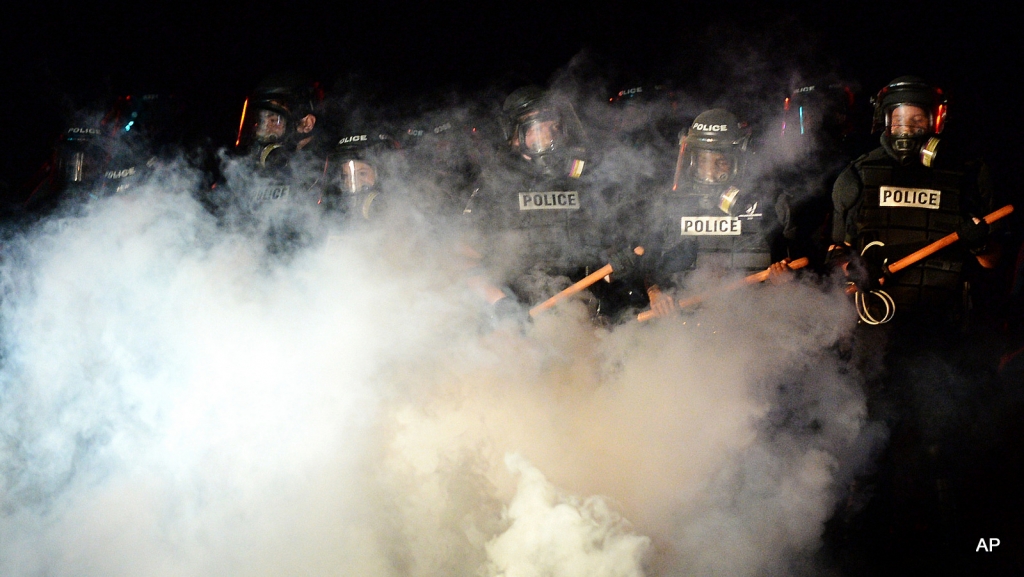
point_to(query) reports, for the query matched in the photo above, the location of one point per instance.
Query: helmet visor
(270, 126)
(907, 120)
(712, 167)
(357, 176)
(540, 132)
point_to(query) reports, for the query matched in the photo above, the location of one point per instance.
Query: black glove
(837, 256)
(625, 262)
(973, 235)
(870, 270)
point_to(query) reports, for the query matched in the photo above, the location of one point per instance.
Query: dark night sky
(61, 57)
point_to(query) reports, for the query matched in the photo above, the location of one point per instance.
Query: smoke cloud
(176, 398)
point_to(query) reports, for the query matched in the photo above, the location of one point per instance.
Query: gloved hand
(973, 235)
(626, 261)
(837, 255)
(870, 270)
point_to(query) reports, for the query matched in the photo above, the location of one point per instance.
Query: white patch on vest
(270, 193)
(563, 200)
(909, 197)
(711, 226)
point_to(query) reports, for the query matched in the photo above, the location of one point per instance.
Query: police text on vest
(270, 193)
(710, 225)
(909, 197)
(568, 200)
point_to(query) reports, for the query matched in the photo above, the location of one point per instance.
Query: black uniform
(275, 177)
(879, 199)
(712, 218)
(537, 215)
(890, 202)
(727, 231)
(536, 224)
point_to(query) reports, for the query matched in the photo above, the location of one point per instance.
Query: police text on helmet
(710, 127)
(355, 138)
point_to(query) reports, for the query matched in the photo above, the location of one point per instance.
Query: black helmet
(283, 99)
(81, 155)
(713, 151)
(358, 160)
(825, 108)
(907, 142)
(537, 123)
(357, 166)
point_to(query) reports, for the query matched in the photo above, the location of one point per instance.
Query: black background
(62, 57)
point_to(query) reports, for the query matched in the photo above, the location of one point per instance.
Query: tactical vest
(267, 191)
(907, 207)
(549, 221)
(725, 233)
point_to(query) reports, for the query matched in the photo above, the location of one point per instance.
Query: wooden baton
(579, 286)
(942, 243)
(755, 278)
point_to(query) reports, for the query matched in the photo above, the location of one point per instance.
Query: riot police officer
(358, 168)
(890, 202)
(109, 154)
(280, 119)
(279, 158)
(906, 193)
(535, 210)
(819, 137)
(712, 218)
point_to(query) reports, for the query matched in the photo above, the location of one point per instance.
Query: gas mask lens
(270, 126)
(907, 121)
(540, 133)
(908, 125)
(711, 167)
(357, 176)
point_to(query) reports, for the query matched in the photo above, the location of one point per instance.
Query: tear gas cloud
(176, 399)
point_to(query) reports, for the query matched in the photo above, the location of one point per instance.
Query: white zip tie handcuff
(861, 302)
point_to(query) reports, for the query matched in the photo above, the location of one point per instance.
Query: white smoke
(177, 400)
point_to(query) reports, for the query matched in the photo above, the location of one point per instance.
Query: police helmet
(823, 108)
(358, 160)
(713, 151)
(537, 123)
(902, 140)
(275, 107)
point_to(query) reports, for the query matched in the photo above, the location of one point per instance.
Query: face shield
(704, 166)
(712, 167)
(907, 120)
(356, 176)
(540, 132)
(271, 126)
(907, 126)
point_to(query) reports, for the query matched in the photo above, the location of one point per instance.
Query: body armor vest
(907, 207)
(547, 222)
(724, 231)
